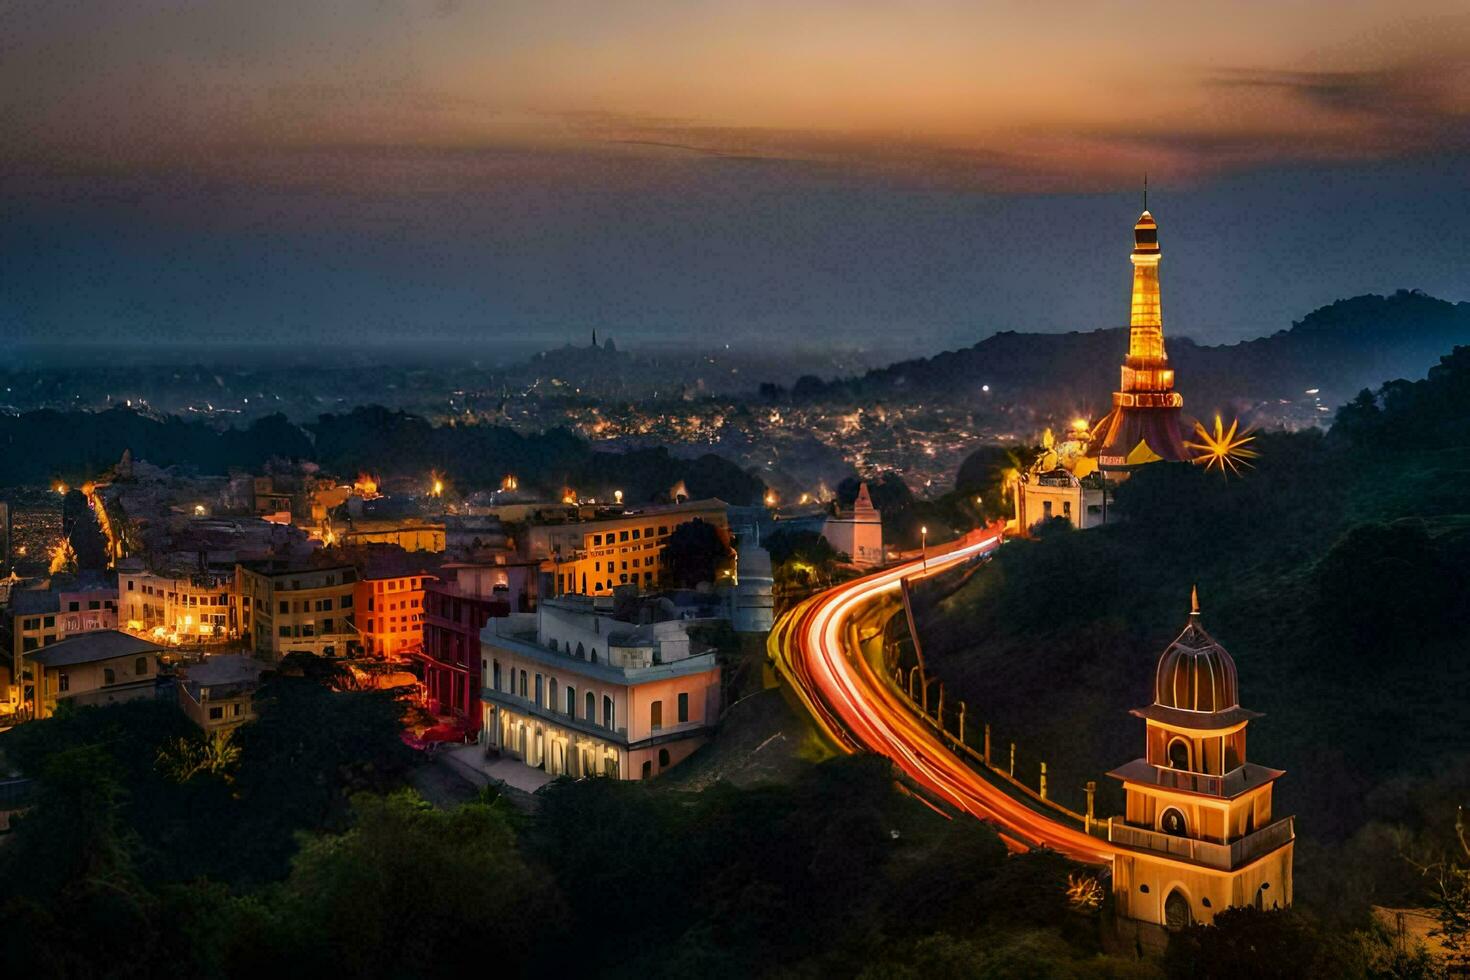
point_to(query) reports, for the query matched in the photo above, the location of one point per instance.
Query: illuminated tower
(1198, 833)
(1143, 426)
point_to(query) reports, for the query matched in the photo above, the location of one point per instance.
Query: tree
(404, 890)
(692, 554)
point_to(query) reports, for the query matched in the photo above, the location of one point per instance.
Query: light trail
(814, 645)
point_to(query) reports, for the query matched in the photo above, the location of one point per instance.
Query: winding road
(817, 647)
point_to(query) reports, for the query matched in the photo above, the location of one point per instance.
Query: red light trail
(814, 647)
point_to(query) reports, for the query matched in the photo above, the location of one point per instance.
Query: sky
(706, 171)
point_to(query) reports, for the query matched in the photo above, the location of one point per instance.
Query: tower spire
(1145, 190)
(1194, 604)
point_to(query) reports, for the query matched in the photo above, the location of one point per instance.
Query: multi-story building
(180, 608)
(390, 606)
(102, 667)
(593, 557)
(290, 608)
(457, 606)
(1200, 834)
(575, 691)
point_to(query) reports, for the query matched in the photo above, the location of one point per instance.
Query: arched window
(581, 652)
(663, 758)
(1172, 822)
(608, 721)
(647, 770)
(551, 698)
(594, 655)
(591, 715)
(1177, 915)
(1178, 753)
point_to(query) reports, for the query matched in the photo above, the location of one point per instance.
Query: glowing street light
(617, 496)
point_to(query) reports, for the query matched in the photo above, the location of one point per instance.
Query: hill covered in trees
(1334, 572)
(1339, 349)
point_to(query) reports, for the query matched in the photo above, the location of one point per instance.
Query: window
(552, 701)
(683, 707)
(108, 676)
(663, 758)
(656, 715)
(597, 540)
(347, 601)
(130, 585)
(75, 607)
(63, 681)
(571, 702)
(637, 534)
(216, 713)
(1172, 822)
(1178, 754)
(523, 683)
(591, 714)
(140, 666)
(539, 692)
(608, 719)
(285, 607)
(622, 535)
(283, 631)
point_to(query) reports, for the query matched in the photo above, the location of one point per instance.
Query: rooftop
(90, 648)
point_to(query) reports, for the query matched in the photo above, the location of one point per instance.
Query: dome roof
(1195, 673)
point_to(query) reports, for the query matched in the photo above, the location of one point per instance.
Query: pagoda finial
(1194, 603)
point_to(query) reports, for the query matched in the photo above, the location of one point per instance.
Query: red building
(456, 608)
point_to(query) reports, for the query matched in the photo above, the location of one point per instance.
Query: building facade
(195, 608)
(1199, 833)
(104, 667)
(219, 694)
(457, 607)
(390, 611)
(36, 618)
(593, 557)
(574, 691)
(287, 608)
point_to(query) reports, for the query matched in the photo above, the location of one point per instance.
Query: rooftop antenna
(1145, 190)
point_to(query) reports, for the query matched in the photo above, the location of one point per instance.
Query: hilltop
(1339, 349)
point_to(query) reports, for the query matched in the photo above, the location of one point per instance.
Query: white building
(574, 691)
(857, 532)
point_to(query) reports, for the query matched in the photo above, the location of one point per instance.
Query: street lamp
(924, 545)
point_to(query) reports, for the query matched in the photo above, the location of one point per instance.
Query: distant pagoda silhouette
(1144, 425)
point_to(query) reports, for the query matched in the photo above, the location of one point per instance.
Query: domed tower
(1144, 425)
(1198, 833)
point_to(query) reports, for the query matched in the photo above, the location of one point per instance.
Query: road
(815, 646)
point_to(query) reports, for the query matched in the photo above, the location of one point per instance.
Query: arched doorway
(1179, 754)
(1177, 915)
(1172, 822)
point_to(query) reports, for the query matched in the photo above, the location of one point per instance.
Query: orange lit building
(390, 608)
(1144, 425)
(594, 557)
(179, 608)
(1198, 834)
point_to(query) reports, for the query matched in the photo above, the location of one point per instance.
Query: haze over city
(672, 173)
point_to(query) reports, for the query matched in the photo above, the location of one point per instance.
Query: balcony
(1207, 853)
